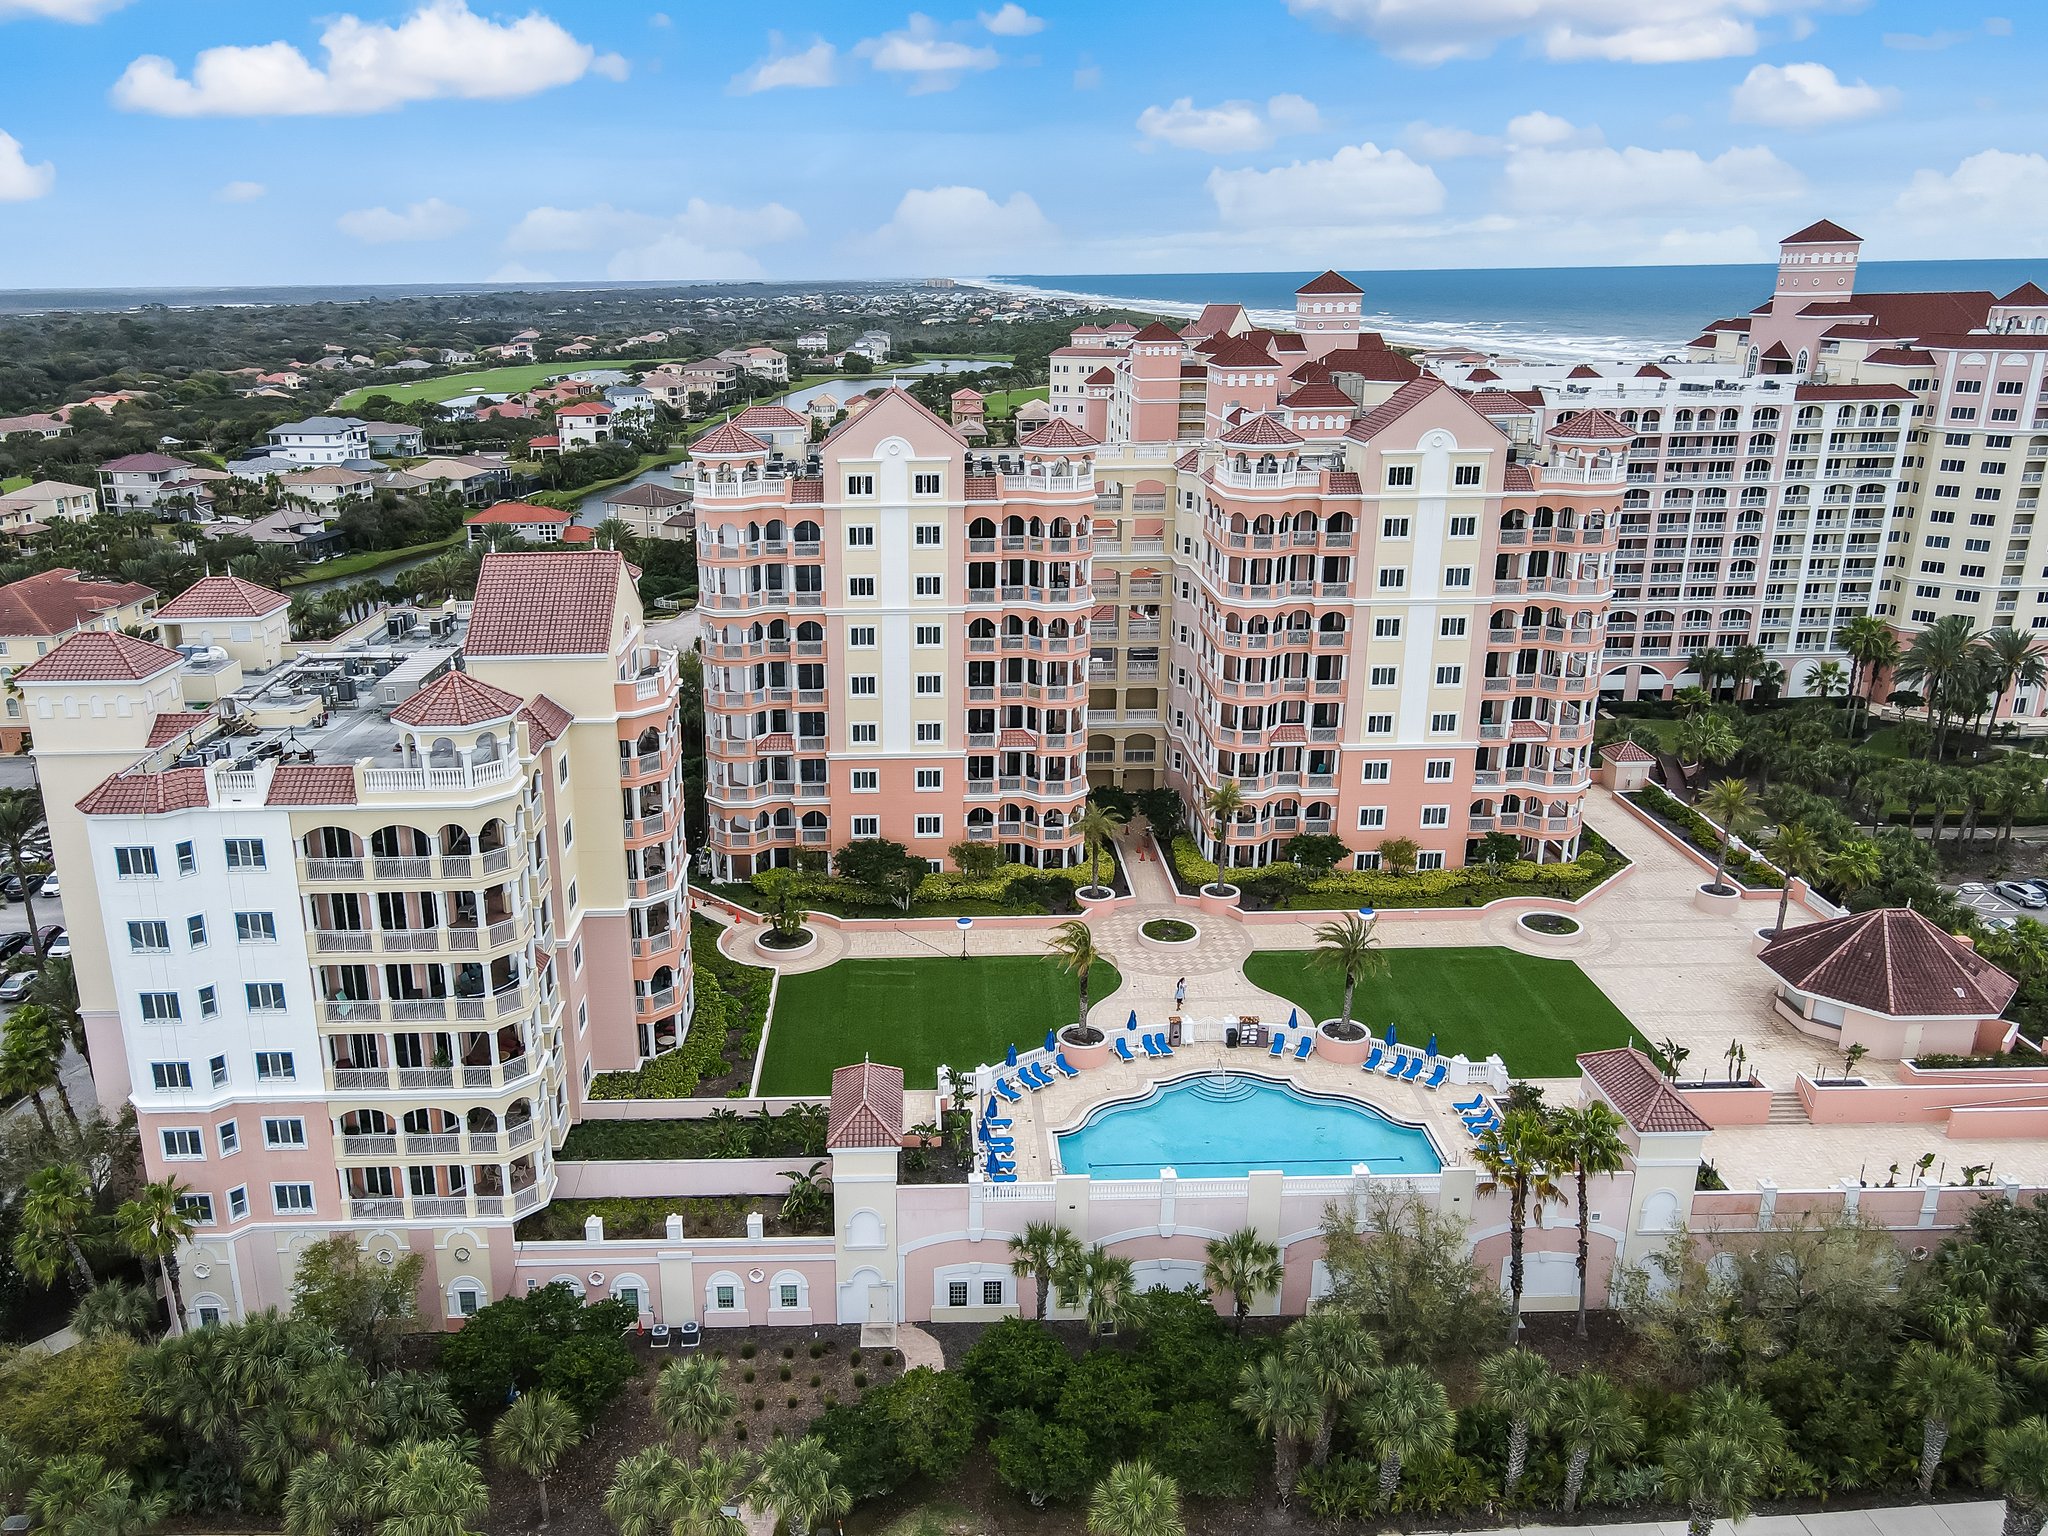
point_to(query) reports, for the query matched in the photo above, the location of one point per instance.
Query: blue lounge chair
(1279, 1043)
(1123, 1049)
(1165, 1045)
(1437, 1074)
(1010, 1094)
(1396, 1064)
(1044, 1077)
(1374, 1057)
(1483, 1119)
(1413, 1070)
(996, 1166)
(1029, 1079)
(1148, 1045)
(997, 1122)
(1067, 1068)
(1478, 1128)
(1308, 1043)
(1478, 1103)
(1002, 1178)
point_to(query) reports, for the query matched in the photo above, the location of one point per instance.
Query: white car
(50, 887)
(60, 947)
(1998, 924)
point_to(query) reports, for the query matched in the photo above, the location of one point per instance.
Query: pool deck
(1062, 1107)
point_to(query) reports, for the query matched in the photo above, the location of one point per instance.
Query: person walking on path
(1180, 993)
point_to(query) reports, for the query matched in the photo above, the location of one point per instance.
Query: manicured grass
(1666, 731)
(1537, 1013)
(1003, 404)
(917, 1015)
(14, 483)
(489, 381)
(364, 561)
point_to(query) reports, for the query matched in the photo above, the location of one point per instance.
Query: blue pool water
(1209, 1127)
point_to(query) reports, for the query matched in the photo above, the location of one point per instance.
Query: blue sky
(243, 141)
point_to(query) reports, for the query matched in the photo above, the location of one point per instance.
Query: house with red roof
(520, 520)
(584, 425)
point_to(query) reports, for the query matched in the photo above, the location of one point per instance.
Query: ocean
(1540, 313)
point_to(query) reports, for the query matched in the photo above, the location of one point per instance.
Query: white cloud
(1993, 195)
(1701, 246)
(240, 192)
(1532, 130)
(1540, 130)
(1621, 31)
(1087, 77)
(1805, 96)
(1228, 128)
(59, 10)
(959, 225)
(811, 67)
(429, 220)
(20, 181)
(442, 50)
(934, 63)
(514, 272)
(1601, 180)
(1012, 20)
(704, 240)
(1360, 181)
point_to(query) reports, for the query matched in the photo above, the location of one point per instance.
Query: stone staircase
(1786, 1109)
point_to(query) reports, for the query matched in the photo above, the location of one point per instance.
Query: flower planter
(1149, 942)
(1218, 899)
(1706, 899)
(1534, 927)
(1083, 1057)
(1345, 1053)
(794, 952)
(1094, 895)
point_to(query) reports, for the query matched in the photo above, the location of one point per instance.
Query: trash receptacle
(1230, 1037)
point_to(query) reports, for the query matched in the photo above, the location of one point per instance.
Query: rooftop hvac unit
(397, 625)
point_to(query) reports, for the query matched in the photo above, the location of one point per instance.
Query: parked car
(11, 885)
(13, 944)
(17, 986)
(47, 935)
(2019, 895)
(60, 947)
(50, 887)
(2038, 884)
(1998, 922)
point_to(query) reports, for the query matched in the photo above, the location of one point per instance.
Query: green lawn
(1666, 731)
(363, 561)
(1537, 1013)
(14, 483)
(489, 381)
(1003, 404)
(916, 1014)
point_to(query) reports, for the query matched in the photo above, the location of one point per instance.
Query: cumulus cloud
(1601, 180)
(1532, 130)
(1994, 194)
(703, 240)
(1012, 20)
(1805, 96)
(429, 220)
(59, 10)
(917, 50)
(1620, 31)
(20, 181)
(442, 50)
(805, 69)
(959, 224)
(1360, 180)
(240, 192)
(1230, 127)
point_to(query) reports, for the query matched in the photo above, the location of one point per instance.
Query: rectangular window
(229, 1134)
(146, 937)
(286, 1199)
(255, 928)
(195, 931)
(1400, 474)
(135, 863)
(1464, 527)
(1443, 725)
(246, 853)
(867, 779)
(169, 1075)
(199, 1208)
(1451, 629)
(1449, 677)
(861, 636)
(956, 1293)
(860, 536)
(1393, 527)
(1465, 474)
(930, 684)
(860, 485)
(924, 485)
(1371, 817)
(1377, 771)
(264, 996)
(991, 1293)
(930, 733)
(864, 733)
(860, 586)
(183, 1144)
(930, 634)
(1436, 815)
(1393, 578)
(1457, 576)
(238, 1203)
(217, 1066)
(1438, 770)
(1386, 629)
(1383, 677)
(930, 778)
(929, 536)
(1431, 860)
(275, 1067)
(284, 1131)
(188, 861)
(861, 686)
(786, 1296)
(160, 1008)
(929, 826)
(929, 586)
(867, 826)
(1379, 725)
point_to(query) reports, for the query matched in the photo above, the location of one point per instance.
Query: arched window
(789, 1291)
(465, 1298)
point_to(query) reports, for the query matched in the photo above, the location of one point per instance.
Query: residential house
(394, 439)
(504, 410)
(823, 408)
(814, 341)
(36, 424)
(454, 356)
(512, 351)
(107, 403)
(142, 480)
(762, 362)
(669, 387)
(709, 377)
(476, 478)
(650, 511)
(630, 403)
(873, 345)
(328, 483)
(585, 425)
(528, 523)
(321, 440)
(286, 378)
(294, 528)
(38, 612)
(35, 507)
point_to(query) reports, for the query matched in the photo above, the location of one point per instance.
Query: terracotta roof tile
(727, 441)
(1625, 752)
(95, 656)
(867, 1107)
(807, 492)
(547, 718)
(58, 601)
(1263, 431)
(312, 784)
(223, 597)
(1381, 364)
(1158, 330)
(545, 603)
(457, 699)
(1330, 282)
(2027, 293)
(1852, 392)
(768, 415)
(1594, 426)
(1822, 231)
(1584, 371)
(147, 794)
(1519, 479)
(1639, 1094)
(1343, 482)
(520, 513)
(1891, 961)
(1318, 395)
(1059, 433)
(165, 729)
(1240, 352)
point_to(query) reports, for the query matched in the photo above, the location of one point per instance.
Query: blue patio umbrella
(1432, 1042)
(992, 1112)
(1390, 1036)
(1132, 1021)
(1050, 1043)
(1010, 1057)
(1292, 1022)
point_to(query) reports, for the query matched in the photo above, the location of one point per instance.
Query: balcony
(513, 1072)
(454, 938)
(451, 1144)
(1048, 480)
(354, 1013)
(448, 1207)
(645, 765)
(1268, 479)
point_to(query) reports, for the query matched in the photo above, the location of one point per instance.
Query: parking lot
(2001, 908)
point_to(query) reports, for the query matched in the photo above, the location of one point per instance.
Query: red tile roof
(1821, 232)
(545, 440)
(312, 784)
(147, 794)
(1651, 371)
(727, 441)
(1518, 478)
(1330, 282)
(1852, 392)
(1101, 376)
(1318, 394)
(577, 535)
(867, 1107)
(1382, 364)
(810, 492)
(143, 463)
(223, 597)
(1625, 752)
(547, 718)
(1289, 735)
(1594, 426)
(1584, 371)
(1263, 431)
(95, 656)
(1213, 320)
(520, 512)
(588, 408)
(1901, 357)
(56, 602)
(545, 603)
(165, 729)
(1482, 376)
(2027, 293)
(1891, 961)
(1639, 1094)
(1008, 740)
(773, 416)
(1399, 404)
(1059, 433)
(1158, 330)
(896, 398)
(1911, 315)
(457, 699)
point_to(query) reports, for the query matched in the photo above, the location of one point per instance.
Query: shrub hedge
(1743, 868)
(1282, 884)
(724, 1033)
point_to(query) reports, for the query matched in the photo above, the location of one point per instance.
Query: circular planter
(1150, 942)
(1549, 927)
(1706, 899)
(1218, 899)
(1094, 895)
(1345, 1053)
(797, 951)
(1083, 1057)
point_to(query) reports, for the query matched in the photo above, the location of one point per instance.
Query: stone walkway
(1979, 1518)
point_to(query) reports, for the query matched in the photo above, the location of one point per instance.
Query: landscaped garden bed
(561, 1221)
(892, 890)
(798, 1131)
(1283, 886)
(716, 1058)
(1744, 868)
(1553, 925)
(1169, 930)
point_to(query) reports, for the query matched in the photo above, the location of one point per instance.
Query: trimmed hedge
(1743, 868)
(725, 1028)
(1289, 885)
(1013, 889)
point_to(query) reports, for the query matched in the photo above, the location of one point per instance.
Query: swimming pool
(1225, 1126)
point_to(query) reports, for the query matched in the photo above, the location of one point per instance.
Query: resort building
(38, 613)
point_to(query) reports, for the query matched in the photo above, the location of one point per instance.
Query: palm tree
(152, 1225)
(1403, 1413)
(690, 1397)
(1072, 944)
(430, 1488)
(1594, 1420)
(1727, 804)
(1797, 850)
(1939, 663)
(28, 1065)
(1691, 700)
(1334, 1347)
(334, 1493)
(1515, 1155)
(2015, 659)
(1522, 1386)
(1713, 1476)
(1134, 1500)
(1745, 664)
(1705, 739)
(83, 1496)
(2016, 1459)
(21, 813)
(1949, 1393)
(1100, 1284)
(1589, 1137)
(1856, 866)
(115, 1309)
(56, 1205)
(1711, 663)
(647, 1491)
(1245, 1265)
(1222, 804)
(1041, 1251)
(1349, 945)
(1826, 681)
(796, 1480)
(613, 533)
(533, 1435)
(1871, 647)
(1098, 825)
(1280, 1399)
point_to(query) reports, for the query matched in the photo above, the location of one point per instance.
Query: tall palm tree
(1403, 1413)
(152, 1225)
(1222, 804)
(1098, 825)
(1100, 1284)
(647, 1491)
(1711, 663)
(1280, 1399)
(1871, 647)
(1826, 681)
(56, 1205)
(1940, 662)
(1072, 944)
(1521, 1385)
(2015, 659)
(1856, 866)
(1727, 804)
(1041, 1251)
(1796, 849)
(1516, 1155)
(1594, 1420)
(1948, 1392)
(690, 1397)
(1713, 1476)
(1333, 1345)
(1349, 945)
(1745, 664)
(2016, 1459)
(430, 1488)
(1245, 1265)
(1134, 1500)
(797, 1481)
(533, 1435)
(1588, 1137)
(1705, 739)
(21, 813)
